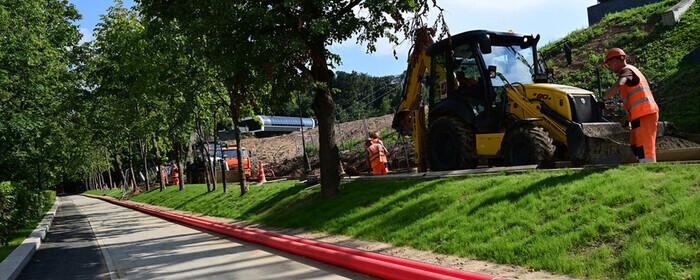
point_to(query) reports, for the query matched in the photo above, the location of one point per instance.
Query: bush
(20, 205)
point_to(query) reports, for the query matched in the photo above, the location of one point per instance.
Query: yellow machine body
(489, 144)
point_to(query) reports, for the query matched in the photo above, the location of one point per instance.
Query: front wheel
(528, 144)
(451, 145)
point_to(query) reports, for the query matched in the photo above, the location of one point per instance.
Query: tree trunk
(102, 181)
(203, 154)
(207, 178)
(211, 175)
(121, 172)
(144, 154)
(241, 173)
(213, 163)
(207, 170)
(159, 164)
(234, 109)
(109, 175)
(223, 169)
(131, 169)
(324, 107)
(181, 168)
(178, 161)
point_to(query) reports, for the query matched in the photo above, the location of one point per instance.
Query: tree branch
(346, 9)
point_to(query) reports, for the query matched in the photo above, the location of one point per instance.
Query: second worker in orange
(638, 101)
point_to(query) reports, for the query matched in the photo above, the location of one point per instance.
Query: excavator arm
(410, 116)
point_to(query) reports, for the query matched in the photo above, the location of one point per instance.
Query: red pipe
(374, 264)
(395, 260)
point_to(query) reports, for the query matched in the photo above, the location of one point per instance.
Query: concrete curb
(12, 266)
(446, 174)
(673, 15)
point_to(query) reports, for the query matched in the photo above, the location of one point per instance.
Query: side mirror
(492, 71)
(485, 44)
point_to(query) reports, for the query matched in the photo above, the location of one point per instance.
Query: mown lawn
(18, 237)
(632, 222)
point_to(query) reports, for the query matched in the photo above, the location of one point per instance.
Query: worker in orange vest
(638, 101)
(377, 155)
(176, 174)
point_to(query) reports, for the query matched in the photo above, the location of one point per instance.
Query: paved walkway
(134, 245)
(69, 251)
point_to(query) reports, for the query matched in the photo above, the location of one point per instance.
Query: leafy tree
(148, 91)
(39, 47)
(293, 37)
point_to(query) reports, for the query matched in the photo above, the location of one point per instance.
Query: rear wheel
(451, 145)
(526, 145)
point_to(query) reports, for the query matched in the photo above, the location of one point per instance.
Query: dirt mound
(665, 143)
(283, 154)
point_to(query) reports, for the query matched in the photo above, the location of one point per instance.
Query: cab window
(438, 79)
(465, 73)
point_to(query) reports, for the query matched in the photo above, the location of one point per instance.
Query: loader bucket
(599, 143)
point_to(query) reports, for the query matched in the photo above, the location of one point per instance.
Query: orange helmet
(374, 135)
(613, 53)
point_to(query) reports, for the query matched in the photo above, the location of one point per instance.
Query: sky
(552, 19)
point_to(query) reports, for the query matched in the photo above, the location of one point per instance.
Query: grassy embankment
(656, 49)
(632, 222)
(18, 237)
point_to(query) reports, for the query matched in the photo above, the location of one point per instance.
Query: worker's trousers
(379, 168)
(643, 137)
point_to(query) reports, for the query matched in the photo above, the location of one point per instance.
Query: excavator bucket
(599, 143)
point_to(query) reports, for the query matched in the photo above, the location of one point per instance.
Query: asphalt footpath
(93, 239)
(70, 250)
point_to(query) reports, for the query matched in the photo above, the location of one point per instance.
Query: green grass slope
(657, 50)
(632, 222)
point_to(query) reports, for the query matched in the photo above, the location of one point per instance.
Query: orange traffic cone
(261, 172)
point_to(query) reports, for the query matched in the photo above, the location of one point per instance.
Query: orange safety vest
(638, 100)
(376, 151)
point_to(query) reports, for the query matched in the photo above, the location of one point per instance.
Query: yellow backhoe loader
(488, 100)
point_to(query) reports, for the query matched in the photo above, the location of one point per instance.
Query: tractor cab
(469, 71)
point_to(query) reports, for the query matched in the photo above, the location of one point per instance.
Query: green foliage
(362, 96)
(19, 206)
(632, 222)
(39, 47)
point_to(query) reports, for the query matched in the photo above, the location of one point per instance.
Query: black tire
(526, 145)
(451, 145)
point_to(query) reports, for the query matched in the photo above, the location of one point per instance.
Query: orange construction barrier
(261, 172)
